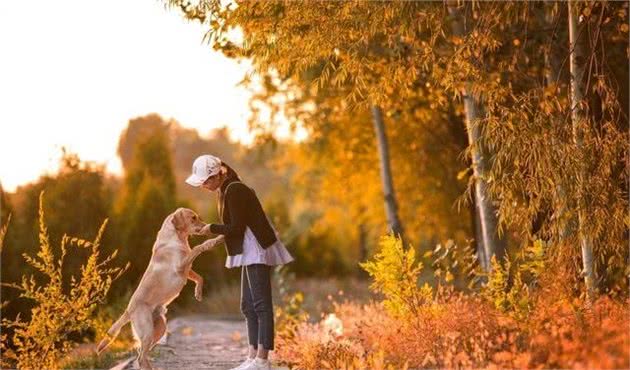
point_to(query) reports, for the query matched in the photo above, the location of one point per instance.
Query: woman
(252, 244)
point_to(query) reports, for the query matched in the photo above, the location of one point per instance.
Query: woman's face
(213, 182)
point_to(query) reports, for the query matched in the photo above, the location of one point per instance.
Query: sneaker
(243, 365)
(258, 364)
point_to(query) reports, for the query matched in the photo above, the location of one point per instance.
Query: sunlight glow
(73, 73)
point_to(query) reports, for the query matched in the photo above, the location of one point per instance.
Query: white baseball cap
(203, 167)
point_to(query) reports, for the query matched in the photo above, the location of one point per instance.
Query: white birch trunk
(391, 210)
(578, 118)
(490, 242)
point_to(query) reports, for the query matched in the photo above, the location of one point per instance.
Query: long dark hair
(231, 176)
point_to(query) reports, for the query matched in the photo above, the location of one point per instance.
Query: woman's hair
(231, 174)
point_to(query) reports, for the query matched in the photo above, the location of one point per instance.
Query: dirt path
(199, 342)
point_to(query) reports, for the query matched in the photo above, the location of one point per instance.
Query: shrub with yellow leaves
(63, 306)
(506, 285)
(395, 273)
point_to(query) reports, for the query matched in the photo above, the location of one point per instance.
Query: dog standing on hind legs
(169, 269)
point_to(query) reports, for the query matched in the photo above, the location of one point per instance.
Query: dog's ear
(179, 220)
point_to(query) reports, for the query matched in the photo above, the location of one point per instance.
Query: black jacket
(241, 208)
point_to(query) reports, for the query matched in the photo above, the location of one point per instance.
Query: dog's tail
(113, 331)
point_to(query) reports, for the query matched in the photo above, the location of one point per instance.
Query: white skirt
(253, 253)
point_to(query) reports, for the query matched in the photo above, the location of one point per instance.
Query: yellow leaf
(461, 174)
(187, 331)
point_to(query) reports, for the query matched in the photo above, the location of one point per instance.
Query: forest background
(491, 138)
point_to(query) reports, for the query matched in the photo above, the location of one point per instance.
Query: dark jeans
(256, 304)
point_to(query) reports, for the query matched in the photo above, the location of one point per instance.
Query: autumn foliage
(455, 329)
(63, 302)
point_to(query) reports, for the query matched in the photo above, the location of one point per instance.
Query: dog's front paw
(198, 294)
(218, 240)
(211, 243)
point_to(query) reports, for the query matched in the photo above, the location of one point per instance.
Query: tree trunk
(578, 118)
(553, 75)
(363, 252)
(481, 251)
(391, 209)
(362, 242)
(490, 241)
(460, 137)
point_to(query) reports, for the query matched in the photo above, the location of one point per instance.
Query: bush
(63, 306)
(455, 333)
(509, 284)
(463, 331)
(568, 334)
(523, 318)
(395, 273)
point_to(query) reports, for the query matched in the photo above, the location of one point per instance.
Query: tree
(351, 70)
(541, 176)
(553, 81)
(577, 62)
(404, 57)
(148, 196)
(186, 144)
(77, 201)
(5, 215)
(386, 174)
(490, 241)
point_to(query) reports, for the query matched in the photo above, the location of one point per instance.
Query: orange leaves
(564, 336)
(460, 331)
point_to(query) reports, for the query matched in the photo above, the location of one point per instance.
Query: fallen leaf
(187, 331)
(236, 336)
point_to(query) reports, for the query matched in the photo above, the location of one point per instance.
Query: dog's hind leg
(142, 324)
(159, 325)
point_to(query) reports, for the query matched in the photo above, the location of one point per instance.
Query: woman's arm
(236, 202)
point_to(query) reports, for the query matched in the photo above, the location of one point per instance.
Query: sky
(72, 74)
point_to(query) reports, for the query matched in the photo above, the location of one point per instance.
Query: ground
(198, 342)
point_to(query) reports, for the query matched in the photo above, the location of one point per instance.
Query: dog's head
(186, 221)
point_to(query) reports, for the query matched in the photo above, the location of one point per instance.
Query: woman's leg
(247, 308)
(259, 277)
